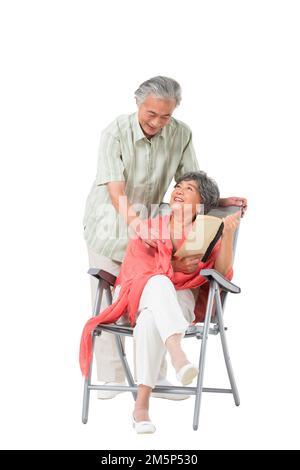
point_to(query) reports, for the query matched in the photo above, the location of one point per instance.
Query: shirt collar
(138, 134)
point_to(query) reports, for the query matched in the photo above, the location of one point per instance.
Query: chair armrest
(101, 274)
(221, 280)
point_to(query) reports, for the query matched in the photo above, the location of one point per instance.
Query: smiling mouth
(178, 199)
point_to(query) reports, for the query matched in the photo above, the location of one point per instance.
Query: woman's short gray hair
(161, 87)
(207, 187)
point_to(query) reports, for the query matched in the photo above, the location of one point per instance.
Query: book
(202, 237)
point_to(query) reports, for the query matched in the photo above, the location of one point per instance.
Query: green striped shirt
(146, 166)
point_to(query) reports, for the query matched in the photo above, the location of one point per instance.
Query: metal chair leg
(225, 350)
(87, 381)
(86, 390)
(86, 402)
(211, 294)
(125, 364)
(121, 350)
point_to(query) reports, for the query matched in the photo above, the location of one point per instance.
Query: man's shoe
(168, 396)
(107, 394)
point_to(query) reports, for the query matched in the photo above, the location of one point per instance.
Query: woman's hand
(231, 223)
(186, 265)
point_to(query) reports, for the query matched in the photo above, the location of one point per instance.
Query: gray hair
(207, 187)
(161, 87)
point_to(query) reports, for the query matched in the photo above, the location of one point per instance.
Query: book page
(200, 236)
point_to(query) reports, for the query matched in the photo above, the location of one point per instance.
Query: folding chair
(213, 325)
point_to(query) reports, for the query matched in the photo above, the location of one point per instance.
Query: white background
(68, 68)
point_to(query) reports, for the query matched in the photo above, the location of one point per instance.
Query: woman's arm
(224, 257)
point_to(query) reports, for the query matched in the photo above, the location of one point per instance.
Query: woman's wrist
(227, 236)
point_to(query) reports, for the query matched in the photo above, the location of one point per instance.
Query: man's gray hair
(207, 187)
(161, 87)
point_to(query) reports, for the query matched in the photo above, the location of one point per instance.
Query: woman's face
(185, 198)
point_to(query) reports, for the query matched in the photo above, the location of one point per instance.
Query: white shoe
(143, 427)
(168, 396)
(107, 394)
(187, 374)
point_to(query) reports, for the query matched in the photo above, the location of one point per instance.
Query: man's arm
(188, 160)
(234, 201)
(110, 172)
(116, 190)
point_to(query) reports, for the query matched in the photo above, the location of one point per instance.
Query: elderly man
(139, 155)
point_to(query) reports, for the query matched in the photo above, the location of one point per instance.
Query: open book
(202, 237)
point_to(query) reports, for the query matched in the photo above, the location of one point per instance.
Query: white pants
(163, 312)
(109, 366)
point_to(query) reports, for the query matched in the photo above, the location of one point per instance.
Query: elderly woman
(160, 294)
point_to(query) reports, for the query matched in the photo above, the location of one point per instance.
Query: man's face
(154, 114)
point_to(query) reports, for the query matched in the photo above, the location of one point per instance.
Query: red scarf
(141, 263)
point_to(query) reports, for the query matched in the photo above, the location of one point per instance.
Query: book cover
(202, 237)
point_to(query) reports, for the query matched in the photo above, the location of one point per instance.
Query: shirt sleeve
(188, 161)
(110, 165)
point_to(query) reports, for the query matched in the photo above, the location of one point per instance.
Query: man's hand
(187, 265)
(235, 201)
(116, 190)
(149, 236)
